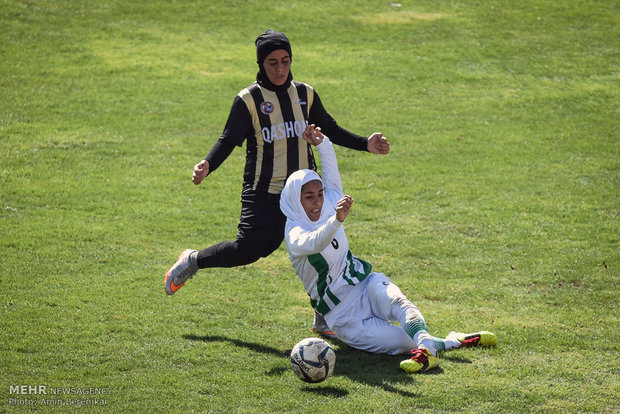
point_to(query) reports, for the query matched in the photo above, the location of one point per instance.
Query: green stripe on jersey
(333, 297)
(367, 268)
(322, 307)
(322, 268)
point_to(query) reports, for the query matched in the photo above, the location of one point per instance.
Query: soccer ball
(313, 360)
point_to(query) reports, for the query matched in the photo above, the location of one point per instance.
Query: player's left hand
(343, 208)
(378, 144)
(313, 135)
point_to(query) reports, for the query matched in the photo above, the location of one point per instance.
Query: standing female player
(270, 116)
(357, 303)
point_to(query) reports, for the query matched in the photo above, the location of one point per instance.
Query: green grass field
(498, 207)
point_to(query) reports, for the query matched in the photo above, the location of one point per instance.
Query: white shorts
(363, 319)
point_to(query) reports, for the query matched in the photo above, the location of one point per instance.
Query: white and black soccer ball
(313, 360)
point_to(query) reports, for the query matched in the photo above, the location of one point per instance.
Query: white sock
(423, 339)
(451, 341)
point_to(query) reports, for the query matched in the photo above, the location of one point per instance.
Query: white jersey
(319, 251)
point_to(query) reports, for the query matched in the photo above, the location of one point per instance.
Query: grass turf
(496, 209)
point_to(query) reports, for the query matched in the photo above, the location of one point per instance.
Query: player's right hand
(201, 170)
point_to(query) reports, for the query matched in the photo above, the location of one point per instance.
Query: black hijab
(265, 44)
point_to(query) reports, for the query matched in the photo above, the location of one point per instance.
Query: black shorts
(261, 231)
(261, 219)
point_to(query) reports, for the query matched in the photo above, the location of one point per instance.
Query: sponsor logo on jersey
(283, 130)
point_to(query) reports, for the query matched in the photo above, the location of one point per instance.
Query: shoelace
(419, 355)
(185, 275)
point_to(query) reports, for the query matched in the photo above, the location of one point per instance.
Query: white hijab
(290, 201)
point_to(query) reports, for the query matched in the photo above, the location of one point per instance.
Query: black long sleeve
(338, 135)
(218, 154)
(238, 128)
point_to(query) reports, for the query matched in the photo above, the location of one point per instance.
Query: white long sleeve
(302, 242)
(329, 166)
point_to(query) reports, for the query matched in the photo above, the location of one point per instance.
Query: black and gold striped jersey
(271, 123)
(277, 148)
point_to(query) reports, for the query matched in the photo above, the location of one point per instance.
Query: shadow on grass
(326, 391)
(457, 359)
(237, 342)
(381, 371)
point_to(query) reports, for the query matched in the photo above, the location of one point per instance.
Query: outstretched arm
(375, 143)
(329, 163)
(238, 126)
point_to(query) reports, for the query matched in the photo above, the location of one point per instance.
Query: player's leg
(462, 340)
(388, 302)
(229, 254)
(260, 232)
(372, 334)
(357, 327)
(391, 302)
(357, 324)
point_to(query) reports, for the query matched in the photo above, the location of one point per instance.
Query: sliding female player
(358, 304)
